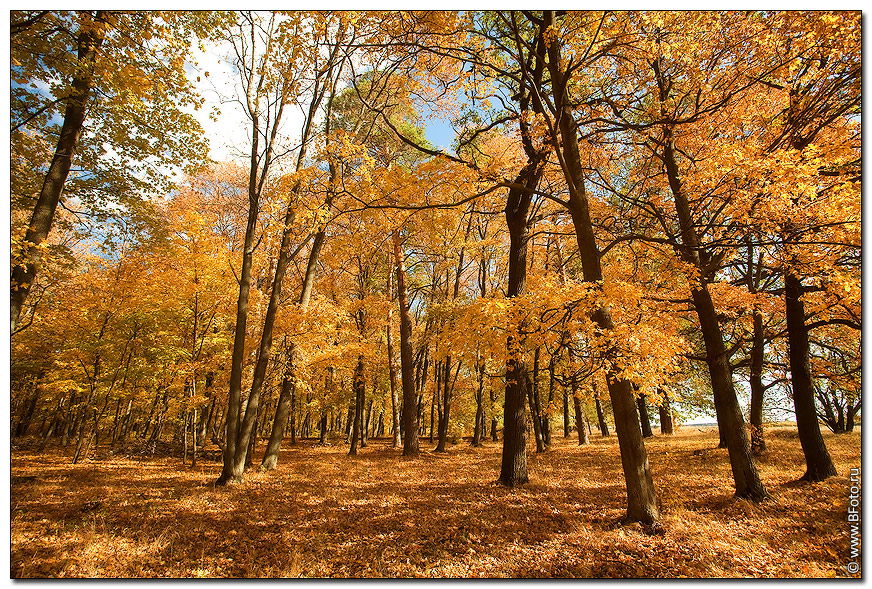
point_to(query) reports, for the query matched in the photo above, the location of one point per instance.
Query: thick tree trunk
(513, 469)
(851, 413)
(819, 465)
(665, 416)
(514, 458)
(25, 267)
(322, 434)
(731, 424)
(641, 498)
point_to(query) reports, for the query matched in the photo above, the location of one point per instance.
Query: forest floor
(324, 514)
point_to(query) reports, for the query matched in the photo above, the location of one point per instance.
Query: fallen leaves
(322, 514)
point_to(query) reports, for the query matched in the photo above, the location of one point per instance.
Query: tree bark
(644, 420)
(232, 471)
(479, 405)
(758, 442)
(407, 376)
(641, 497)
(358, 406)
(665, 416)
(392, 382)
(601, 417)
(535, 409)
(819, 465)
(513, 469)
(579, 417)
(24, 270)
(747, 480)
(271, 454)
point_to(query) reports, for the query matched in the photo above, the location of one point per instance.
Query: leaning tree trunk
(601, 418)
(731, 425)
(819, 465)
(90, 38)
(286, 393)
(641, 496)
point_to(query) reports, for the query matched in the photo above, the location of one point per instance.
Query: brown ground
(325, 514)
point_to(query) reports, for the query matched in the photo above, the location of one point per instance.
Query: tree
(93, 63)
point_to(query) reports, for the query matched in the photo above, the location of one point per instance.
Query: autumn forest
(437, 293)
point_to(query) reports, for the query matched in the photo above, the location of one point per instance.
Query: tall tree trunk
(758, 442)
(283, 408)
(641, 497)
(494, 421)
(731, 425)
(392, 382)
(747, 480)
(232, 471)
(479, 404)
(583, 437)
(364, 430)
(546, 417)
(90, 38)
(513, 469)
(263, 353)
(580, 422)
(819, 465)
(566, 426)
(358, 406)
(410, 413)
(535, 409)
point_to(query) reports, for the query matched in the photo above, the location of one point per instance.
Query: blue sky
(439, 132)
